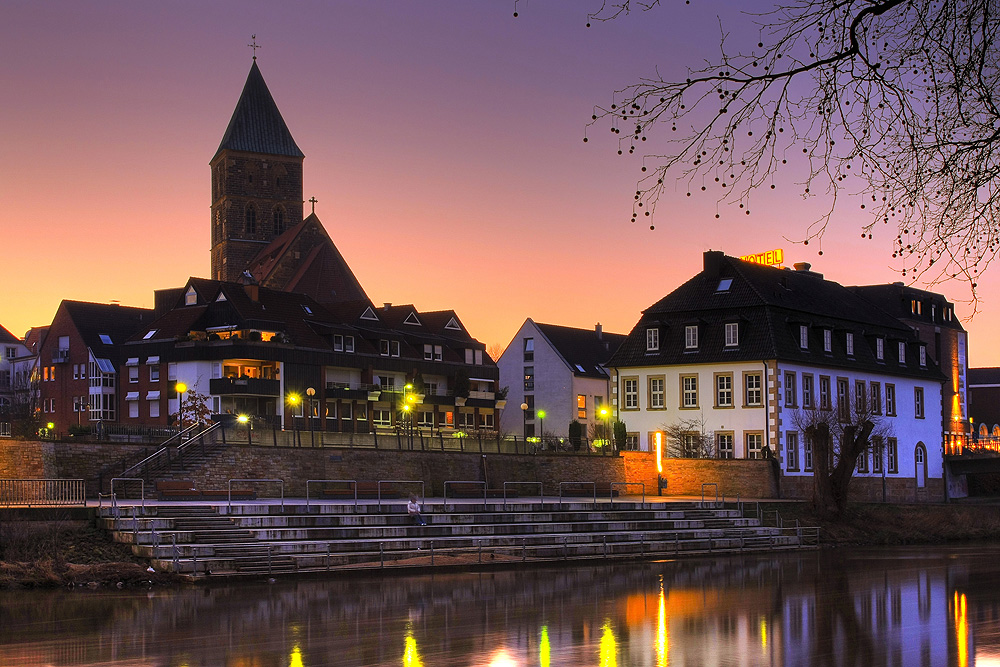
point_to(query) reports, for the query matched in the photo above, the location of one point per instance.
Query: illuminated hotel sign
(769, 258)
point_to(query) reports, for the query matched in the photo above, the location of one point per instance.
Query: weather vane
(254, 45)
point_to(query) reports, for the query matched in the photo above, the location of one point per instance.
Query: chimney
(713, 263)
(600, 331)
(386, 305)
(802, 266)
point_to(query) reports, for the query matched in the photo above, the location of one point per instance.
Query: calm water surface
(860, 607)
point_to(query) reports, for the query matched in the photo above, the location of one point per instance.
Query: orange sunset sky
(443, 140)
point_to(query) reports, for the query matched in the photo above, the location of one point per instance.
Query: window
(468, 356)
(381, 417)
(689, 445)
(250, 218)
(10, 352)
(876, 398)
(338, 343)
(652, 339)
(348, 343)
(631, 390)
(154, 408)
(892, 455)
(386, 382)
(725, 442)
(732, 334)
(824, 392)
(393, 348)
(656, 394)
(486, 420)
(807, 392)
(383, 347)
(827, 340)
(792, 450)
(689, 391)
(918, 402)
(529, 378)
(345, 410)
(849, 342)
(154, 373)
(803, 337)
(807, 454)
(880, 348)
(790, 390)
(843, 399)
(428, 352)
(133, 374)
(278, 220)
(755, 445)
(133, 406)
(923, 355)
(752, 393)
(890, 400)
(529, 349)
(863, 462)
(632, 442)
(878, 452)
(902, 352)
(438, 355)
(105, 338)
(724, 391)
(860, 396)
(724, 285)
(425, 418)
(529, 400)
(479, 357)
(581, 406)
(691, 337)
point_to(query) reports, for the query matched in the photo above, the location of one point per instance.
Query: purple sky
(443, 141)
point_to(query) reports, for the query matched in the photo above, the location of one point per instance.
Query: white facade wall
(196, 375)
(771, 417)
(552, 385)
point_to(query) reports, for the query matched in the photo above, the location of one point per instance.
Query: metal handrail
(626, 485)
(540, 490)
(703, 492)
(279, 481)
(142, 490)
(352, 482)
(379, 484)
(462, 481)
(180, 448)
(593, 485)
(42, 492)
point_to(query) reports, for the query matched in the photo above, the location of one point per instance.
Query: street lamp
(541, 426)
(524, 415)
(180, 388)
(310, 392)
(605, 415)
(245, 420)
(294, 400)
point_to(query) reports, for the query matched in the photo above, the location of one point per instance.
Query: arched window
(251, 219)
(984, 431)
(278, 217)
(996, 430)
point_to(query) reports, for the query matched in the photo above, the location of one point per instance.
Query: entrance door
(919, 460)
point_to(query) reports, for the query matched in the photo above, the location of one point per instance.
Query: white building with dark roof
(559, 374)
(749, 352)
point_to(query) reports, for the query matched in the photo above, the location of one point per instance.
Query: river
(902, 606)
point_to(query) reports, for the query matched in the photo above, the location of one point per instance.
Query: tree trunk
(823, 499)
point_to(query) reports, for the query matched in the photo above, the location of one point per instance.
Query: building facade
(740, 360)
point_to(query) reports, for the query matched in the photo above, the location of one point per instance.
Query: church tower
(256, 181)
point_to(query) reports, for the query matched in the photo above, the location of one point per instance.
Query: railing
(42, 492)
(142, 490)
(164, 451)
(625, 485)
(712, 484)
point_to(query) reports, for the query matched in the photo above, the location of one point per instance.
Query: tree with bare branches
(689, 439)
(839, 438)
(891, 107)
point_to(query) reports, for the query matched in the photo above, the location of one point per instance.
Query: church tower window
(251, 219)
(278, 216)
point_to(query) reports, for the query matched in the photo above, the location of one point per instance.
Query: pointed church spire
(257, 125)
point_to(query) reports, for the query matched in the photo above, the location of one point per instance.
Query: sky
(443, 142)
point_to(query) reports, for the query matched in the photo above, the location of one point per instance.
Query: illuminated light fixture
(50, 426)
(243, 419)
(659, 452)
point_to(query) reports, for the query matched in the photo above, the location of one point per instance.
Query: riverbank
(66, 553)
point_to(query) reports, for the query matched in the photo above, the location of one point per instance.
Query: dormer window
(691, 337)
(902, 352)
(849, 343)
(880, 348)
(732, 334)
(803, 336)
(724, 285)
(191, 297)
(827, 340)
(923, 355)
(652, 339)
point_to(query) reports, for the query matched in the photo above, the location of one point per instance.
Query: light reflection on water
(859, 607)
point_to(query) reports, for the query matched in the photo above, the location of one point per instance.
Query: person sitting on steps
(413, 509)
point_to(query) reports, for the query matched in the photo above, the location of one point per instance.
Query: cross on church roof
(313, 200)
(254, 45)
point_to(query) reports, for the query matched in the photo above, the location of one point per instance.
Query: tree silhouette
(895, 103)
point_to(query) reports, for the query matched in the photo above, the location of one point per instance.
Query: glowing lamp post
(524, 420)
(605, 416)
(245, 420)
(180, 388)
(541, 426)
(310, 392)
(294, 400)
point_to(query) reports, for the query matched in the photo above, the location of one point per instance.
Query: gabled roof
(583, 350)
(319, 270)
(119, 323)
(769, 305)
(7, 337)
(257, 125)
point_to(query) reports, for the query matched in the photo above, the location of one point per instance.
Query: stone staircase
(250, 539)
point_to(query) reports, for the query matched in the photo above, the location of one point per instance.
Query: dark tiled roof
(257, 125)
(118, 322)
(984, 376)
(581, 348)
(770, 305)
(7, 337)
(895, 299)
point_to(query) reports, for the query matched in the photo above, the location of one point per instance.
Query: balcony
(60, 356)
(244, 387)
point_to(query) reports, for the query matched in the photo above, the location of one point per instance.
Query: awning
(132, 361)
(153, 360)
(132, 396)
(152, 396)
